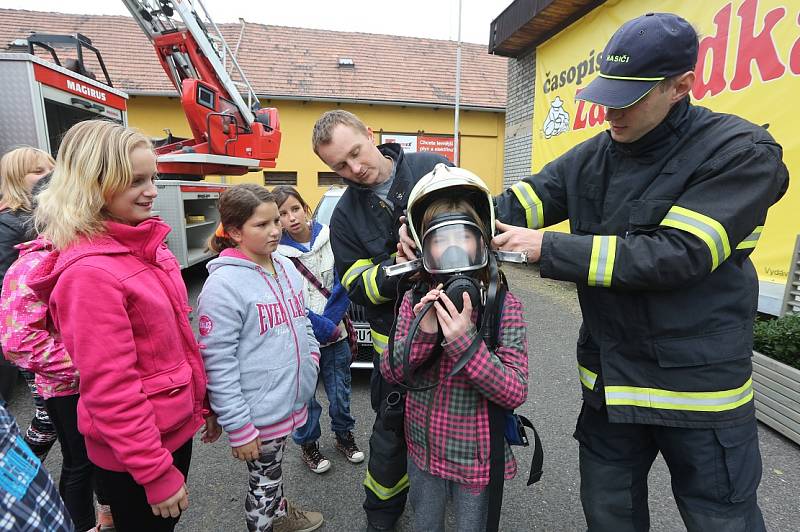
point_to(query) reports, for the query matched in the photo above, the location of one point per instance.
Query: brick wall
(519, 118)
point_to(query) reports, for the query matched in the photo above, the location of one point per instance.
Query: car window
(324, 209)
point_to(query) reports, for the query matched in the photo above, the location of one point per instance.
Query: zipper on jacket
(428, 432)
(428, 419)
(289, 320)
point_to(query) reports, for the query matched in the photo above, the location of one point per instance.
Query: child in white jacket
(259, 349)
(306, 243)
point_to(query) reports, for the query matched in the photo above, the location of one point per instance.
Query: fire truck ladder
(157, 17)
(231, 133)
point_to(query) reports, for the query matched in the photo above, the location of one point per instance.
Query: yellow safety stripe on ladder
(534, 212)
(379, 341)
(705, 228)
(370, 277)
(354, 271)
(587, 376)
(382, 492)
(752, 239)
(719, 401)
(601, 265)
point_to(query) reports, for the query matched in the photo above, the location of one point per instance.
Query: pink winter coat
(26, 330)
(122, 309)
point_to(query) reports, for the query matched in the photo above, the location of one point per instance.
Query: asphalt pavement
(218, 482)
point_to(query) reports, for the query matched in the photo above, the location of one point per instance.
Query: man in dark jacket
(364, 237)
(665, 208)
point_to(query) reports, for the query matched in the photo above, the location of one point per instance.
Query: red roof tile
(293, 62)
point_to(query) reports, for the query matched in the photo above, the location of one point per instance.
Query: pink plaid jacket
(26, 331)
(447, 428)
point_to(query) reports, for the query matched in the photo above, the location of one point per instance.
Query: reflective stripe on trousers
(587, 376)
(379, 341)
(382, 492)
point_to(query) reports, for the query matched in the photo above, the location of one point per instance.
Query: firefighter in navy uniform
(664, 210)
(364, 238)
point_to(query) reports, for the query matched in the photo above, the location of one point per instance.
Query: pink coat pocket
(171, 395)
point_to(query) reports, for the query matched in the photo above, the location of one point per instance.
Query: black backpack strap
(496, 415)
(538, 453)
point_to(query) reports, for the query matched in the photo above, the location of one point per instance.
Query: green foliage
(779, 339)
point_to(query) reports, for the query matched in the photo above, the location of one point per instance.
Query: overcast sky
(436, 19)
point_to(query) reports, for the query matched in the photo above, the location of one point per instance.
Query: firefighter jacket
(364, 236)
(661, 231)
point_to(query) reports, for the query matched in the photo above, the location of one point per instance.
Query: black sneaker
(314, 459)
(346, 444)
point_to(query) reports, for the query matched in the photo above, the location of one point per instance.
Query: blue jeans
(334, 369)
(429, 496)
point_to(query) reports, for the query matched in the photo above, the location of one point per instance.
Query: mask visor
(452, 247)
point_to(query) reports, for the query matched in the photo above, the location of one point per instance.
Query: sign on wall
(441, 144)
(408, 142)
(748, 64)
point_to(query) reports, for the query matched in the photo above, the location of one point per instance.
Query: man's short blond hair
(323, 129)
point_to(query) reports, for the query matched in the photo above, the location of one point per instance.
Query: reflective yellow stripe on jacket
(369, 274)
(354, 271)
(370, 277)
(379, 341)
(382, 492)
(703, 227)
(601, 266)
(534, 212)
(752, 239)
(719, 401)
(587, 376)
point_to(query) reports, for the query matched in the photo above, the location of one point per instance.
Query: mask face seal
(459, 284)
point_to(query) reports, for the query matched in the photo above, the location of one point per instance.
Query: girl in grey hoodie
(259, 350)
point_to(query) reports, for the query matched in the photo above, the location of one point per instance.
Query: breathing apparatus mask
(453, 250)
(454, 246)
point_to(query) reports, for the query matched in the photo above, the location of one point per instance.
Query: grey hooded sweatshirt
(259, 350)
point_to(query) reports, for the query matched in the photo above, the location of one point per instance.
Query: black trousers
(8, 378)
(76, 483)
(715, 474)
(386, 485)
(128, 501)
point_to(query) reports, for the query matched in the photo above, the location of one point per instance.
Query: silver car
(357, 313)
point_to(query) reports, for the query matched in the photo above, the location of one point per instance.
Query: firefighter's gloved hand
(512, 238)
(406, 248)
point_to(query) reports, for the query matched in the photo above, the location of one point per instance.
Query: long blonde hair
(93, 165)
(14, 166)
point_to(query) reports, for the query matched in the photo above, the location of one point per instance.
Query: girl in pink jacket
(116, 295)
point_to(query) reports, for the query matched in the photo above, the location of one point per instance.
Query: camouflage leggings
(265, 499)
(41, 434)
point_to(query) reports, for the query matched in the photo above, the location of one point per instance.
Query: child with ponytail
(259, 349)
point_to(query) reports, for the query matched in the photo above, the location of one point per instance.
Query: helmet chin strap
(483, 333)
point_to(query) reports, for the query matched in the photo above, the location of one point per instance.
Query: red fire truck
(43, 98)
(231, 133)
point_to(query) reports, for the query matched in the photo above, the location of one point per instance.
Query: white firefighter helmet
(451, 182)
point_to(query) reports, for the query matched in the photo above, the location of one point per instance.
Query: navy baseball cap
(642, 52)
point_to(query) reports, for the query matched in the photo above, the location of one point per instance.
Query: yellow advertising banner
(748, 65)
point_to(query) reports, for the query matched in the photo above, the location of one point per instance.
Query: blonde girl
(20, 170)
(116, 295)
